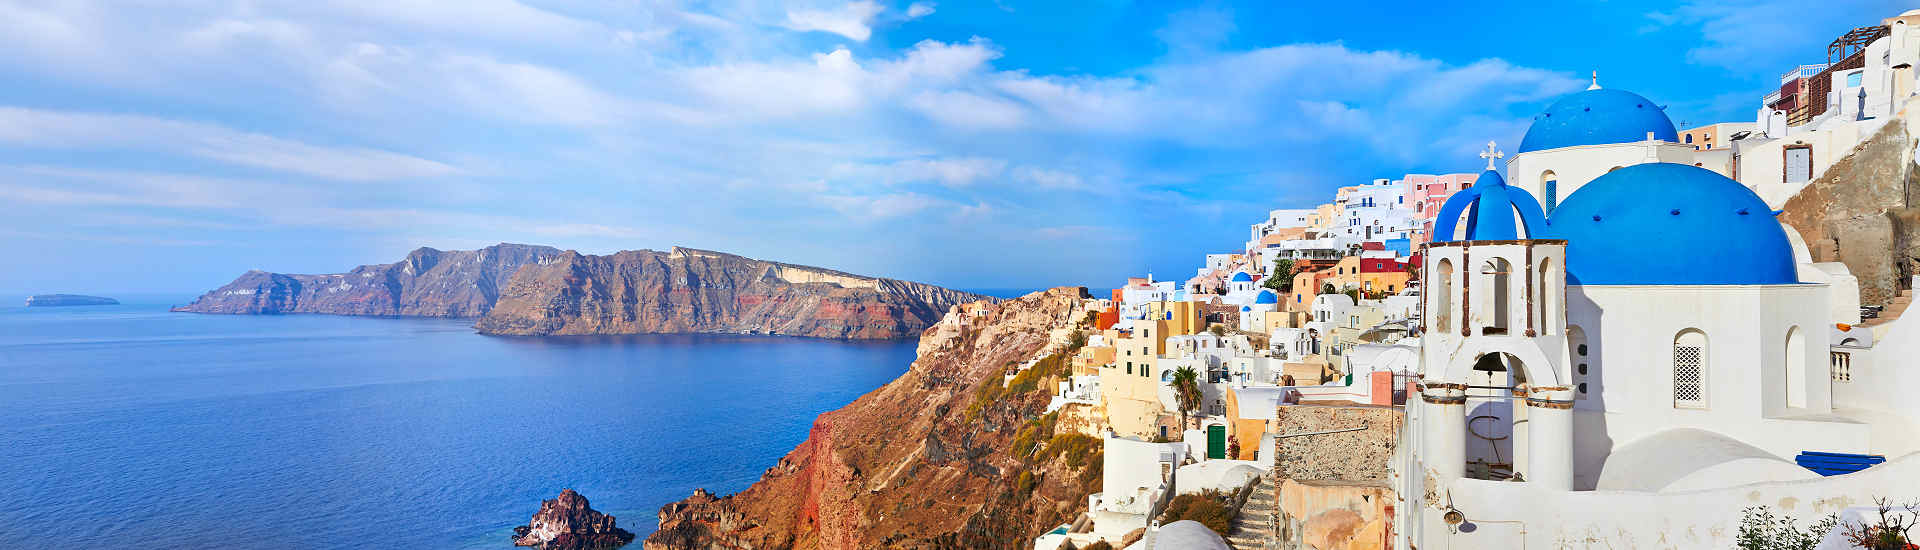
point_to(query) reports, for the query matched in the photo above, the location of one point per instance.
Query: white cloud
(968, 110)
(41, 129)
(951, 171)
(831, 83)
(853, 20)
(919, 10)
(867, 208)
(1048, 179)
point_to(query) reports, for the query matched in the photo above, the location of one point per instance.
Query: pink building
(1428, 192)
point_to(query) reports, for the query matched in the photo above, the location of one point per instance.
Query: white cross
(1490, 154)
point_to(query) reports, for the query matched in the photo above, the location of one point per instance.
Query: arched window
(1495, 305)
(1442, 285)
(1549, 298)
(1550, 189)
(1796, 368)
(1690, 368)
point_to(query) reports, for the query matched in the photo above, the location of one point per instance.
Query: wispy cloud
(853, 20)
(33, 128)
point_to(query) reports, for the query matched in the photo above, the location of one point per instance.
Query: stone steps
(1251, 529)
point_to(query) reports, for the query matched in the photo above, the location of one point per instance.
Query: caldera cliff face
(935, 459)
(688, 290)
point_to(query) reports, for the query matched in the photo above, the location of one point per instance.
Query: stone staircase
(1252, 529)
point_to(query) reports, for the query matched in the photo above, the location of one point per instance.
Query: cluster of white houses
(1604, 338)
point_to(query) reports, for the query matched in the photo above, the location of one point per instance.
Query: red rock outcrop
(568, 523)
(927, 461)
(688, 290)
(428, 283)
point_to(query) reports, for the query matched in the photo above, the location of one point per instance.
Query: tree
(1326, 288)
(1186, 391)
(1282, 278)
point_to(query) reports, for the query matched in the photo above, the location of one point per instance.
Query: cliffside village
(1610, 336)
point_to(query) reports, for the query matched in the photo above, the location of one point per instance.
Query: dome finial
(1490, 154)
(1596, 81)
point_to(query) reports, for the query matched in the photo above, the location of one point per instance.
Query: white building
(1637, 367)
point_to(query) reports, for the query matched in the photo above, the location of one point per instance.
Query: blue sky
(170, 146)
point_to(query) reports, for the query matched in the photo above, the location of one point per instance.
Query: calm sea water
(132, 427)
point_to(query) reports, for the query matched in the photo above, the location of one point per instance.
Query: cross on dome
(1596, 81)
(1490, 154)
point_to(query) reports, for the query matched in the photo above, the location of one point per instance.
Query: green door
(1216, 441)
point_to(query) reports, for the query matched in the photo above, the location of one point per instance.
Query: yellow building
(1130, 386)
(1383, 275)
(1184, 318)
(1089, 359)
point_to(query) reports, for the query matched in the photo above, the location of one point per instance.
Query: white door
(1799, 166)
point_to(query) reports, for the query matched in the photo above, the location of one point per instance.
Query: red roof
(1373, 245)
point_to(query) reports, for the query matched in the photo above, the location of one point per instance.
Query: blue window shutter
(1553, 194)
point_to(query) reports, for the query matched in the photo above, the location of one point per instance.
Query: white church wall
(1631, 392)
(1522, 515)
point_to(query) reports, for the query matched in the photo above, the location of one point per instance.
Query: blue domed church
(1617, 319)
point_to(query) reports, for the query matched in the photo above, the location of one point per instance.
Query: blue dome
(1266, 297)
(1671, 224)
(1495, 211)
(1242, 277)
(1596, 117)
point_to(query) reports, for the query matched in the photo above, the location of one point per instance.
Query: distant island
(517, 289)
(65, 300)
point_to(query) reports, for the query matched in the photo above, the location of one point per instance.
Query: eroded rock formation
(568, 523)
(428, 283)
(1861, 212)
(923, 462)
(688, 290)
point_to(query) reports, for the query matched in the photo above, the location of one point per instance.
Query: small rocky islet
(567, 523)
(67, 300)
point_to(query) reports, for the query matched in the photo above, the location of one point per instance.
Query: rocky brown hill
(428, 283)
(688, 290)
(1862, 212)
(945, 456)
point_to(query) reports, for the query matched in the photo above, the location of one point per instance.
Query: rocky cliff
(946, 456)
(428, 283)
(688, 290)
(1861, 212)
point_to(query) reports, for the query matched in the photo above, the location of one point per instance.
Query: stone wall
(1859, 212)
(1354, 456)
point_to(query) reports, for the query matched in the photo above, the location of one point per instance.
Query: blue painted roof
(1595, 117)
(1491, 207)
(1266, 297)
(1242, 277)
(1671, 224)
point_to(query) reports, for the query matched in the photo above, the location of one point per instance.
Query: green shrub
(1761, 530)
(1209, 508)
(1025, 484)
(1075, 446)
(1096, 466)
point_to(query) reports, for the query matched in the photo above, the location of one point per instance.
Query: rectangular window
(1689, 377)
(1853, 79)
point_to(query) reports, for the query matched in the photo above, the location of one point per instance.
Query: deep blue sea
(132, 427)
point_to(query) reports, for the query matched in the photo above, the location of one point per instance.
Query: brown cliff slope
(1861, 212)
(943, 457)
(687, 290)
(428, 283)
